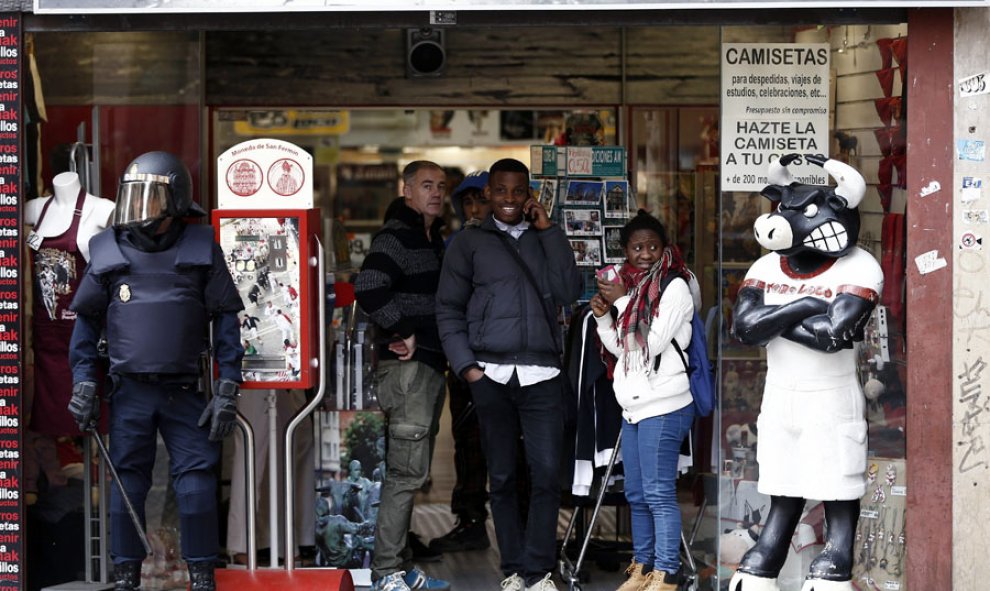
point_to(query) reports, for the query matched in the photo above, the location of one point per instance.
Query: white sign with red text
(265, 174)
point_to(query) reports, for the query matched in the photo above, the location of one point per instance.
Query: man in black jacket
(497, 323)
(396, 287)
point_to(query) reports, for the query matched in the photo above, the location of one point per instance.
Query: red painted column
(930, 156)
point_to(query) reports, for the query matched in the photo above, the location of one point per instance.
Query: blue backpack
(697, 366)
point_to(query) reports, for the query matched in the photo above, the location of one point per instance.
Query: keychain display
(880, 536)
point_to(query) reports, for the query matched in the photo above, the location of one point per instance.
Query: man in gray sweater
(497, 322)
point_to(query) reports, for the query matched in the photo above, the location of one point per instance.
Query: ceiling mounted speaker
(425, 53)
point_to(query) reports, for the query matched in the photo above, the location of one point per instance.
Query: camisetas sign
(118, 6)
(774, 102)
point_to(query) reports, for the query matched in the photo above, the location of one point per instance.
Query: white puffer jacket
(641, 392)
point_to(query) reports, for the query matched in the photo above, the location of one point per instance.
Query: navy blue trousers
(139, 410)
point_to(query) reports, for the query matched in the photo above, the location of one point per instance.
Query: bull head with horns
(811, 218)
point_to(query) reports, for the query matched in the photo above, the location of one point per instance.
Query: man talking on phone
(497, 302)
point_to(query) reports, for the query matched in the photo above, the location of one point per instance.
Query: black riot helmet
(155, 186)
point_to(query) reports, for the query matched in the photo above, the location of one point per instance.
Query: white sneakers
(513, 583)
(516, 583)
(544, 584)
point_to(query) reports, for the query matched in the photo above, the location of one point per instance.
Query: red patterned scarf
(643, 288)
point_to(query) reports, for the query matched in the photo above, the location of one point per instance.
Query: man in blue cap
(470, 494)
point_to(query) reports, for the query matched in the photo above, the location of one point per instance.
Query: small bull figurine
(807, 302)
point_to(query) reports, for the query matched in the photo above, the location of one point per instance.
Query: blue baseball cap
(475, 180)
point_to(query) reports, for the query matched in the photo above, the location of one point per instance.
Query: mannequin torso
(96, 212)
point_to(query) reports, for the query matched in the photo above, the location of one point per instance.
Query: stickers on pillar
(973, 150)
(929, 261)
(972, 189)
(932, 187)
(970, 241)
(974, 85)
(976, 216)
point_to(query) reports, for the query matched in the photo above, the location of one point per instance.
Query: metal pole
(250, 481)
(88, 506)
(273, 481)
(305, 411)
(598, 502)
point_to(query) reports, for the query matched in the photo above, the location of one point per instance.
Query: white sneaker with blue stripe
(391, 582)
(417, 579)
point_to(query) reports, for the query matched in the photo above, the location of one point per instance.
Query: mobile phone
(609, 273)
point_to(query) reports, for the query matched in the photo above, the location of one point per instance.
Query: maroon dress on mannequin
(57, 267)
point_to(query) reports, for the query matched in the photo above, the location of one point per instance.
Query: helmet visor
(140, 201)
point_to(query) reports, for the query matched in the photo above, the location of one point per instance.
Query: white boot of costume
(747, 582)
(823, 585)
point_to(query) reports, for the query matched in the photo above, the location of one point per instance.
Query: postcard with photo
(587, 252)
(584, 192)
(617, 199)
(535, 188)
(583, 222)
(548, 195)
(614, 253)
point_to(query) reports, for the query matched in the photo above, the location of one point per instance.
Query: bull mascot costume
(807, 302)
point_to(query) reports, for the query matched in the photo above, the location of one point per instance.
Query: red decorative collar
(785, 266)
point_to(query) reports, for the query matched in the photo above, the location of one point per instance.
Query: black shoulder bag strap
(532, 281)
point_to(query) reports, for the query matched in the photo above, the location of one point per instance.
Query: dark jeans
(470, 494)
(504, 412)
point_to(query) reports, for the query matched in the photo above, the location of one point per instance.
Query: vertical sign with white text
(774, 102)
(11, 504)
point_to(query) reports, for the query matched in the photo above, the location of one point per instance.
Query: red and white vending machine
(270, 234)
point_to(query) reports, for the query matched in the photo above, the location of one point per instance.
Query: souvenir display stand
(585, 190)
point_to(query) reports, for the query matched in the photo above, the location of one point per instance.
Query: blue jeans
(649, 457)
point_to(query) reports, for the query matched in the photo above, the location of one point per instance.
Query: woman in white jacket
(655, 396)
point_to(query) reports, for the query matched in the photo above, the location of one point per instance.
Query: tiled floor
(479, 570)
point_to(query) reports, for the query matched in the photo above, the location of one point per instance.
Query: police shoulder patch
(125, 292)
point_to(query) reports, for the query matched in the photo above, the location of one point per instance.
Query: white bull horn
(779, 175)
(849, 183)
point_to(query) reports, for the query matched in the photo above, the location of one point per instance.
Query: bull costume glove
(221, 410)
(84, 406)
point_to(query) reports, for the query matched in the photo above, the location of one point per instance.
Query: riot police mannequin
(155, 284)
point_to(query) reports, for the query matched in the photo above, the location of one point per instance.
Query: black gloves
(222, 408)
(85, 405)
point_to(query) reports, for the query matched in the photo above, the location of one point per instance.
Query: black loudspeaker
(425, 53)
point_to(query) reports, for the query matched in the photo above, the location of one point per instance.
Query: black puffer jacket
(486, 308)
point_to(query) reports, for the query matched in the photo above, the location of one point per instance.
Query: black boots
(201, 576)
(468, 534)
(127, 576)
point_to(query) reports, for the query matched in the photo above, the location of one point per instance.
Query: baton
(123, 493)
